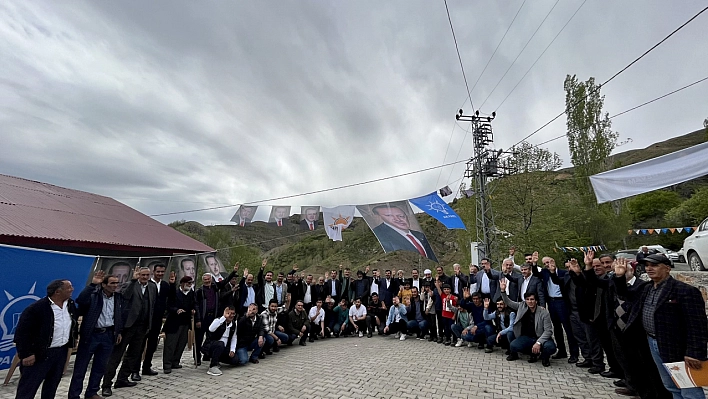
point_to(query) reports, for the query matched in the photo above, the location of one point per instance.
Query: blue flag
(25, 275)
(434, 206)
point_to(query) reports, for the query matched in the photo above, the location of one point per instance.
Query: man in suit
(248, 292)
(100, 331)
(527, 282)
(281, 291)
(266, 288)
(43, 335)
(395, 233)
(207, 299)
(487, 285)
(628, 340)
(674, 318)
(188, 268)
(309, 221)
(458, 280)
(560, 315)
(280, 216)
(180, 309)
(345, 279)
(212, 265)
(415, 280)
(533, 328)
(333, 287)
(138, 306)
(244, 215)
(163, 292)
(388, 288)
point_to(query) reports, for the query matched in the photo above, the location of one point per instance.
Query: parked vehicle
(681, 256)
(659, 248)
(696, 247)
(626, 253)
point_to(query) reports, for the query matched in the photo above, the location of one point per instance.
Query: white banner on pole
(652, 174)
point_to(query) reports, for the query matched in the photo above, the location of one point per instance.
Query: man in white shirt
(43, 336)
(415, 280)
(317, 316)
(307, 291)
(357, 318)
(221, 336)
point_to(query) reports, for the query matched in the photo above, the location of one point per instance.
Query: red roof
(43, 211)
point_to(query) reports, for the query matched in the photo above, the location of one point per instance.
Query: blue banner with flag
(25, 275)
(434, 206)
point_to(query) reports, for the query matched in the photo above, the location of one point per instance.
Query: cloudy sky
(175, 105)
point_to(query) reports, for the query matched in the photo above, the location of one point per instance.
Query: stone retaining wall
(696, 279)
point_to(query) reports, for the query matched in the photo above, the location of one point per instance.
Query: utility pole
(482, 167)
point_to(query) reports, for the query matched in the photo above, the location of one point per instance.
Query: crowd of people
(588, 315)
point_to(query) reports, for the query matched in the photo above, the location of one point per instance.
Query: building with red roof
(41, 215)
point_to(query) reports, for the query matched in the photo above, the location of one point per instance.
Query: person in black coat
(100, 331)
(153, 336)
(180, 308)
(41, 348)
(248, 291)
(138, 306)
(250, 336)
(337, 291)
(672, 314)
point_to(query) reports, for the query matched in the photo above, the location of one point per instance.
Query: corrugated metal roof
(39, 210)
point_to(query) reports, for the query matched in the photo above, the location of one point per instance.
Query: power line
(539, 57)
(615, 75)
(313, 192)
(452, 132)
(520, 52)
(635, 107)
(498, 45)
(458, 153)
(459, 58)
(660, 97)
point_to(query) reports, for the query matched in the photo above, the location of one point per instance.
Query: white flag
(337, 219)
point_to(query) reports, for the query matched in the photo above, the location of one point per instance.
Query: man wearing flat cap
(181, 305)
(673, 316)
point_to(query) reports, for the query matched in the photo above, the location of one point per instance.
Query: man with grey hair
(139, 303)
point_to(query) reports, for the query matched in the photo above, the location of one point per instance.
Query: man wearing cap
(674, 318)
(180, 307)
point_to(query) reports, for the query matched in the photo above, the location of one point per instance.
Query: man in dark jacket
(298, 324)
(153, 336)
(250, 335)
(207, 299)
(180, 308)
(674, 318)
(100, 331)
(41, 347)
(138, 306)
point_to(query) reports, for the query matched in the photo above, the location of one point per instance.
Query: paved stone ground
(379, 367)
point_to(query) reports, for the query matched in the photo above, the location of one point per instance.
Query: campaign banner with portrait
(120, 267)
(244, 215)
(279, 215)
(26, 272)
(309, 217)
(210, 263)
(337, 219)
(436, 207)
(395, 226)
(184, 265)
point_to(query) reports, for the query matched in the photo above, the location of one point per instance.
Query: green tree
(652, 205)
(590, 135)
(690, 212)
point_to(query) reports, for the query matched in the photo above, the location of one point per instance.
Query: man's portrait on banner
(396, 228)
(184, 266)
(279, 216)
(120, 267)
(210, 263)
(244, 215)
(309, 215)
